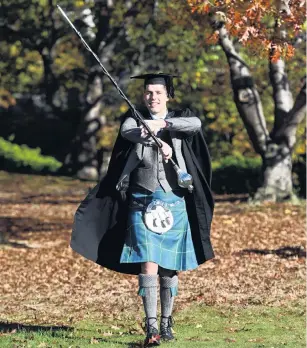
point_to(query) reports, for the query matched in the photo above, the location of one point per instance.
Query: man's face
(155, 97)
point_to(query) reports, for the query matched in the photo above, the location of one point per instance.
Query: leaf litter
(259, 259)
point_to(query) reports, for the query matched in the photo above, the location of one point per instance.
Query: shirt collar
(154, 117)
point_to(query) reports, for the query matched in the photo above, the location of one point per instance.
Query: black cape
(99, 226)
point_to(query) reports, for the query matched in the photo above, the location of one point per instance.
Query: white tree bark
(276, 147)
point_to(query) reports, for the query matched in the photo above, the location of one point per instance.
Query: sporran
(158, 217)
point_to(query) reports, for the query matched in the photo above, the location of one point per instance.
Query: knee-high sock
(168, 289)
(148, 291)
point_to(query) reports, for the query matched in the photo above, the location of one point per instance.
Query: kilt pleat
(172, 250)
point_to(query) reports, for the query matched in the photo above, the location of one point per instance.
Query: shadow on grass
(8, 327)
(242, 198)
(126, 344)
(13, 225)
(285, 252)
(42, 199)
(11, 328)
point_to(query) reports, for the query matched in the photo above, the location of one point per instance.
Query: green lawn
(196, 326)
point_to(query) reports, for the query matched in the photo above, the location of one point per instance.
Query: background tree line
(54, 96)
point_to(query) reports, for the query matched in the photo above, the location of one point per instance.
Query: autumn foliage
(254, 22)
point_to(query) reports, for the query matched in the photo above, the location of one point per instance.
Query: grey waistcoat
(153, 171)
(144, 165)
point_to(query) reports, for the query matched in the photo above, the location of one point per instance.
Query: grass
(47, 184)
(264, 289)
(196, 326)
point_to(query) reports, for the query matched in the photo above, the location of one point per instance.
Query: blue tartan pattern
(172, 250)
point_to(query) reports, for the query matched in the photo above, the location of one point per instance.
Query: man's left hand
(154, 125)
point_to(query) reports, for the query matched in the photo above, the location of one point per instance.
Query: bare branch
(299, 39)
(283, 7)
(287, 132)
(246, 95)
(281, 92)
(282, 95)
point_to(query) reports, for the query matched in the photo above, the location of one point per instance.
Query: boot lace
(150, 328)
(166, 326)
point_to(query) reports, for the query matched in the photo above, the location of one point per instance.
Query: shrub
(236, 175)
(21, 158)
(243, 175)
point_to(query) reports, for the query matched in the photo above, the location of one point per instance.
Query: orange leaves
(275, 53)
(279, 51)
(290, 50)
(6, 98)
(250, 31)
(199, 6)
(212, 39)
(251, 22)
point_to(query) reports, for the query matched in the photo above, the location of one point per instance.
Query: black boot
(152, 334)
(166, 328)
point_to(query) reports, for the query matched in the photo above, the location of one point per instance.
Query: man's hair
(158, 78)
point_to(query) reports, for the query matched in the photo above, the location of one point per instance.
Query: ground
(257, 276)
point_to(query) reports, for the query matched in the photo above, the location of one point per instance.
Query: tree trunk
(4, 230)
(277, 175)
(87, 157)
(276, 147)
(85, 160)
(104, 159)
(82, 160)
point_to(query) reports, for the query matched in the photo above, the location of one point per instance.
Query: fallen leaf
(109, 333)
(94, 341)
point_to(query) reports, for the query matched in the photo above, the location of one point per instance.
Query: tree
(39, 74)
(130, 37)
(34, 22)
(248, 22)
(112, 36)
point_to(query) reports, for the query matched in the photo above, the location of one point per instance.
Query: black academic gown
(99, 226)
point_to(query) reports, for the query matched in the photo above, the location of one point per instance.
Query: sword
(184, 179)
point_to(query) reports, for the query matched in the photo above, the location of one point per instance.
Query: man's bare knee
(149, 268)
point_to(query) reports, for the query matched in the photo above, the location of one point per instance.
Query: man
(139, 220)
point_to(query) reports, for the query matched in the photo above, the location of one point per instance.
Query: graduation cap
(158, 79)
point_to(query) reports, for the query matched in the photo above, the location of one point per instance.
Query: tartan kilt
(172, 250)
